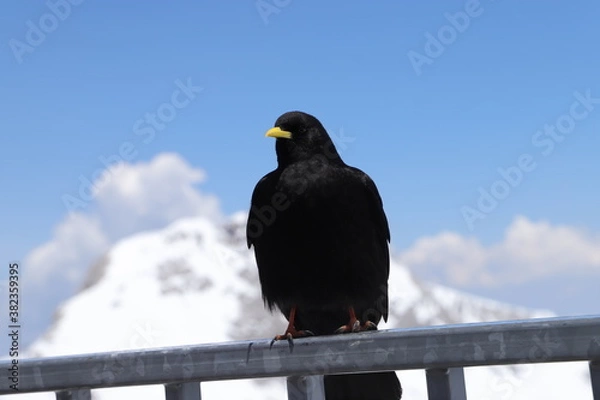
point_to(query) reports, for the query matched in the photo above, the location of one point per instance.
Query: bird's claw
(290, 335)
(344, 329)
(356, 327)
(369, 326)
(287, 336)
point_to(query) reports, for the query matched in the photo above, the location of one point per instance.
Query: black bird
(320, 238)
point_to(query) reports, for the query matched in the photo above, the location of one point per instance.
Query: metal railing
(442, 351)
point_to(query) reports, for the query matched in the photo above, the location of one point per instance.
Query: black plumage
(320, 238)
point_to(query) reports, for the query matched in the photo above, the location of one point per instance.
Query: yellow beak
(278, 133)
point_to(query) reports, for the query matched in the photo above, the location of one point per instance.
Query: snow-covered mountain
(196, 282)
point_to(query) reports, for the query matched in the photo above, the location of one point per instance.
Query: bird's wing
(264, 189)
(375, 205)
(382, 232)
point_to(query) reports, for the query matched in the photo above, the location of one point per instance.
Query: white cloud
(528, 251)
(127, 198)
(149, 195)
(449, 253)
(74, 242)
(541, 249)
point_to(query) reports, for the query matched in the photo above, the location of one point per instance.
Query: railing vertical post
(305, 388)
(595, 376)
(183, 391)
(446, 384)
(78, 394)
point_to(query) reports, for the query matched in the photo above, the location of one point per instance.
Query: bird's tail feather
(372, 386)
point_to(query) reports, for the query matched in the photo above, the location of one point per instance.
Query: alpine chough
(320, 238)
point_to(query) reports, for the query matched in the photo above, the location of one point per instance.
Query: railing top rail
(479, 344)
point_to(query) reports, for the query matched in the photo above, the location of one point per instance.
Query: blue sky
(430, 136)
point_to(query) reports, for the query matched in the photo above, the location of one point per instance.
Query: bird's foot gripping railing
(442, 351)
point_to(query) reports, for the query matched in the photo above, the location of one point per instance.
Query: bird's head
(301, 136)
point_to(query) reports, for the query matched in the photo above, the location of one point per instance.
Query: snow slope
(196, 282)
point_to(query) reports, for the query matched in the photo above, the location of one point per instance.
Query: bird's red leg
(290, 331)
(354, 325)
